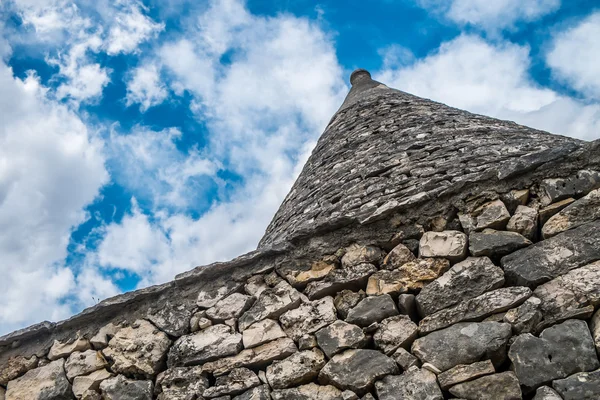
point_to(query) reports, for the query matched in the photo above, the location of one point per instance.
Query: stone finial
(359, 75)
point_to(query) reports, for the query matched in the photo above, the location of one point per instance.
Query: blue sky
(139, 139)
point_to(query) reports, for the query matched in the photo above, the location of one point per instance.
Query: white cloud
(575, 56)
(491, 15)
(145, 87)
(129, 28)
(51, 167)
(493, 79)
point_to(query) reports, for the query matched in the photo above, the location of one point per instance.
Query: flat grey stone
(495, 244)
(311, 391)
(171, 317)
(570, 292)
(232, 306)
(582, 211)
(414, 384)
(236, 382)
(357, 370)
(464, 343)
(552, 190)
(121, 388)
(43, 383)
(271, 304)
(258, 393)
(347, 299)
(308, 318)
(395, 332)
(297, 369)
(353, 277)
(405, 360)
(546, 393)
(181, 382)
(340, 336)
(502, 386)
(463, 281)
(463, 373)
(580, 386)
(372, 309)
(560, 351)
(214, 342)
(525, 317)
(261, 332)
(407, 305)
(475, 309)
(556, 256)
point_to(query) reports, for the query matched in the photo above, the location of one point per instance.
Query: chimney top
(359, 75)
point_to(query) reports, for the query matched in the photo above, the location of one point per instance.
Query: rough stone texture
(353, 277)
(308, 318)
(464, 343)
(271, 304)
(515, 198)
(90, 382)
(595, 329)
(236, 382)
(476, 309)
(503, 386)
(395, 332)
(580, 386)
(318, 270)
(407, 305)
(214, 342)
(524, 221)
(411, 276)
(258, 393)
(414, 384)
(526, 317)
(308, 392)
(560, 350)
(448, 244)
(60, 349)
(550, 258)
(463, 373)
(307, 342)
(171, 317)
(15, 367)
(80, 363)
(2, 393)
(261, 332)
(207, 299)
(255, 285)
(43, 383)
(100, 340)
(553, 190)
(493, 215)
(463, 281)
(372, 309)
(255, 357)
(121, 388)
(492, 243)
(232, 306)
(346, 300)
(547, 212)
(138, 350)
(357, 254)
(545, 393)
(572, 291)
(297, 369)
(181, 383)
(357, 370)
(405, 360)
(340, 336)
(397, 257)
(582, 211)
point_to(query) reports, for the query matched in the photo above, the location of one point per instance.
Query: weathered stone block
(44, 383)
(560, 351)
(208, 298)
(397, 257)
(545, 393)
(181, 383)
(258, 393)
(465, 280)
(121, 388)
(64, 349)
(552, 190)
(138, 350)
(464, 343)
(413, 275)
(357, 370)
(395, 332)
(311, 391)
(372, 309)
(297, 369)
(357, 254)
(261, 332)
(308, 318)
(236, 382)
(340, 336)
(82, 363)
(271, 304)
(582, 211)
(90, 382)
(556, 256)
(524, 221)
(495, 244)
(547, 212)
(526, 317)
(475, 309)
(350, 278)
(414, 384)
(464, 373)
(15, 367)
(214, 342)
(580, 386)
(502, 386)
(232, 306)
(451, 245)
(347, 299)
(405, 360)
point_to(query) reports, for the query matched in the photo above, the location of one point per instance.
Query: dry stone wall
(487, 289)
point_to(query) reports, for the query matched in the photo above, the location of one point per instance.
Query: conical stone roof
(386, 149)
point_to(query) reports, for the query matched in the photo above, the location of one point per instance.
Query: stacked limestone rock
(497, 303)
